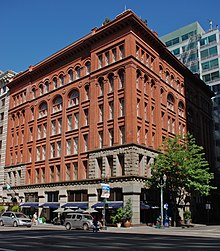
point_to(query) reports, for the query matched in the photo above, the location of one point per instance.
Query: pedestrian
(35, 218)
(95, 224)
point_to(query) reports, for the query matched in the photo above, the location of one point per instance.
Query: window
(100, 139)
(208, 40)
(75, 165)
(43, 109)
(78, 73)
(54, 131)
(88, 67)
(107, 58)
(46, 87)
(69, 122)
(68, 171)
(111, 82)
(41, 89)
(172, 42)
(70, 74)
(87, 91)
(100, 61)
(58, 148)
(101, 86)
(74, 98)
(121, 75)
(176, 51)
(100, 113)
(38, 153)
(39, 132)
(114, 55)
(61, 80)
(57, 104)
(86, 113)
(111, 137)
(75, 145)
(111, 110)
(211, 76)
(210, 64)
(122, 135)
(122, 108)
(68, 147)
(44, 130)
(52, 147)
(85, 137)
(76, 120)
(55, 83)
(43, 152)
(121, 51)
(3, 102)
(181, 108)
(170, 102)
(59, 125)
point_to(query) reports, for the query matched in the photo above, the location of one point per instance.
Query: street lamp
(105, 195)
(162, 185)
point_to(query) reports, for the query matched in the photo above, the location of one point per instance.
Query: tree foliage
(185, 166)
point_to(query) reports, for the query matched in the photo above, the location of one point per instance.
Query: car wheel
(15, 224)
(68, 226)
(1, 223)
(85, 227)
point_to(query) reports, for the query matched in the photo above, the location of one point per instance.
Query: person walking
(95, 224)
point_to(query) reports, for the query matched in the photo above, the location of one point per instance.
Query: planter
(118, 224)
(127, 223)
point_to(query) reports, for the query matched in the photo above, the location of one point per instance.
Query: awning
(76, 205)
(30, 204)
(50, 205)
(116, 204)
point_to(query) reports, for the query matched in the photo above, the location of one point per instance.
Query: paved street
(49, 237)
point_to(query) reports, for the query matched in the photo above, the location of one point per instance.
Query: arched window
(121, 75)
(167, 77)
(77, 69)
(181, 108)
(87, 91)
(57, 104)
(101, 86)
(170, 102)
(111, 82)
(161, 71)
(74, 98)
(88, 67)
(46, 87)
(70, 74)
(41, 89)
(61, 77)
(43, 109)
(34, 93)
(55, 83)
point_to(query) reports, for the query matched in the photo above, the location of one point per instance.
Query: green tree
(186, 168)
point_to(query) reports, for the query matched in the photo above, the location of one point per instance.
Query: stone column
(133, 191)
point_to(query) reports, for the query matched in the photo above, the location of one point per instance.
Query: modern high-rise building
(5, 78)
(199, 50)
(97, 111)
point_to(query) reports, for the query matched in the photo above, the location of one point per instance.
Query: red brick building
(99, 108)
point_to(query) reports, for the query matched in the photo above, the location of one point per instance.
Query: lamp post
(105, 195)
(162, 185)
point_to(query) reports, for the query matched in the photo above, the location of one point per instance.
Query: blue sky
(32, 30)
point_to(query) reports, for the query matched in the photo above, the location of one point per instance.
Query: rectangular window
(75, 142)
(59, 125)
(67, 171)
(100, 113)
(43, 152)
(51, 174)
(100, 61)
(58, 173)
(122, 107)
(52, 146)
(53, 127)
(111, 110)
(121, 51)
(76, 120)
(69, 122)
(100, 139)
(122, 135)
(68, 147)
(38, 153)
(39, 132)
(86, 142)
(111, 137)
(75, 165)
(114, 55)
(45, 130)
(107, 58)
(58, 148)
(86, 112)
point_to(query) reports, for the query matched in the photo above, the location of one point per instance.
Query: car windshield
(88, 217)
(19, 215)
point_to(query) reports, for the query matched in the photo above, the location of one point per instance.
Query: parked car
(78, 220)
(15, 219)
